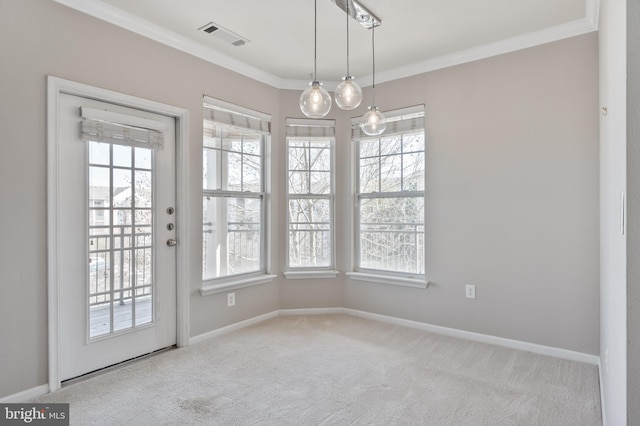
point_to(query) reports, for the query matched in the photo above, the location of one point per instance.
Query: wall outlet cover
(471, 291)
(231, 299)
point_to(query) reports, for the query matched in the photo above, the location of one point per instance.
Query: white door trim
(55, 87)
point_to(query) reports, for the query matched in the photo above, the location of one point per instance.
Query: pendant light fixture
(373, 122)
(315, 102)
(348, 94)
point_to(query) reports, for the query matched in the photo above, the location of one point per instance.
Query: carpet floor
(338, 370)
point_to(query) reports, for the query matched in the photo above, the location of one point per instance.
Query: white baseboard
(603, 406)
(229, 328)
(311, 311)
(260, 318)
(482, 338)
(26, 395)
(461, 334)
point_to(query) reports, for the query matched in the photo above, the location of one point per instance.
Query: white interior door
(117, 267)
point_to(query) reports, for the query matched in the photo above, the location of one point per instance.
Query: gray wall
(633, 211)
(40, 37)
(512, 197)
(512, 184)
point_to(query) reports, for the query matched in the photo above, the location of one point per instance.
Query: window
(390, 197)
(234, 205)
(310, 195)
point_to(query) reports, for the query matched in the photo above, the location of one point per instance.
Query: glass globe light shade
(315, 102)
(348, 94)
(373, 122)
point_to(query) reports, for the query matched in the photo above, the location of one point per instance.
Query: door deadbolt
(171, 242)
(170, 210)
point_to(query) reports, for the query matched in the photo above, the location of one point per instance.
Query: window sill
(386, 279)
(209, 289)
(307, 275)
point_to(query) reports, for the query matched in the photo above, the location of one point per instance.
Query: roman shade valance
(218, 114)
(121, 129)
(305, 128)
(399, 121)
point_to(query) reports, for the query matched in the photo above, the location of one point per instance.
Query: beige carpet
(338, 370)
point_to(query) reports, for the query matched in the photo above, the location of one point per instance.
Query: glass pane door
(120, 255)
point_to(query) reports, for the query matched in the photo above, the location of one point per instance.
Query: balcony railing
(309, 244)
(241, 249)
(388, 246)
(120, 264)
(120, 278)
(392, 246)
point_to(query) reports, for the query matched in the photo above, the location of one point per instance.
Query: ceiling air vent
(223, 34)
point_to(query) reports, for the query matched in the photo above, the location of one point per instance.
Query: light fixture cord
(315, 40)
(348, 74)
(373, 48)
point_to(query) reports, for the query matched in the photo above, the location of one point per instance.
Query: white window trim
(371, 275)
(114, 117)
(213, 102)
(302, 273)
(395, 114)
(388, 279)
(310, 274)
(227, 283)
(215, 286)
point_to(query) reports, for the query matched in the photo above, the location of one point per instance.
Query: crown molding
(548, 35)
(115, 16)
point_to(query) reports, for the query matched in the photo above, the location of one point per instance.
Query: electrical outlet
(231, 299)
(471, 291)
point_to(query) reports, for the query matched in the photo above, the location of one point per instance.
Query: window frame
(321, 131)
(395, 123)
(262, 275)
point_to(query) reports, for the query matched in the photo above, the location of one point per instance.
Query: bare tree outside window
(233, 199)
(310, 202)
(390, 199)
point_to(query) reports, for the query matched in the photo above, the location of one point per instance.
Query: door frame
(55, 87)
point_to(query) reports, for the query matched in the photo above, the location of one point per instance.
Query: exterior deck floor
(100, 316)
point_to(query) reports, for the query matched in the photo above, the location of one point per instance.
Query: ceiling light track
(359, 12)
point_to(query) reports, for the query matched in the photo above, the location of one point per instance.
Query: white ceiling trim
(513, 44)
(113, 15)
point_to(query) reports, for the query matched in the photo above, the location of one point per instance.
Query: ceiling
(415, 36)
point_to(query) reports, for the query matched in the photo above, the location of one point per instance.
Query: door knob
(171, 242)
